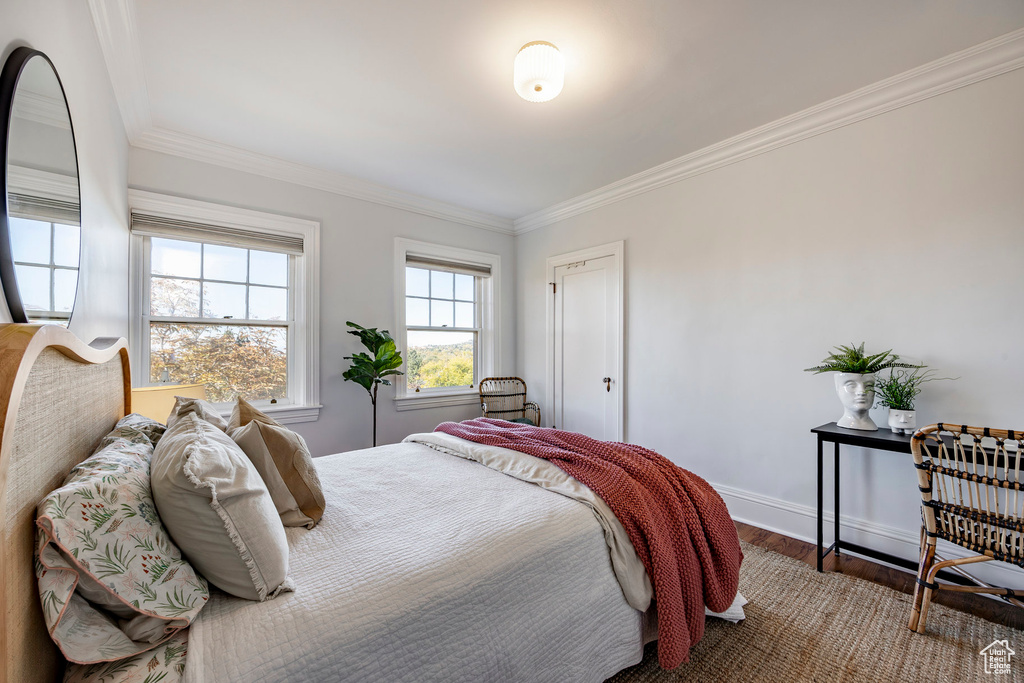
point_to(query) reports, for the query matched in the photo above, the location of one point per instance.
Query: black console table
(883, 440)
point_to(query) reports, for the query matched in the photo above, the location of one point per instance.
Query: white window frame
(63, 188)
(303, 402)
(488, 349)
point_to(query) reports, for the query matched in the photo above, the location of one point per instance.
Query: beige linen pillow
(218, 511)
(204, 409)
(283, 460)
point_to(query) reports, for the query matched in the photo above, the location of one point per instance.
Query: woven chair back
(503, 397)
(970, 481)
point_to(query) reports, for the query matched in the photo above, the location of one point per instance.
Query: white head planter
(902, 421)
(857, 393)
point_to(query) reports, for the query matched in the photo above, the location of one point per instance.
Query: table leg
(836, 506)
(820, 534)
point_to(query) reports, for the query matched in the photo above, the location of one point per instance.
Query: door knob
(607, 383)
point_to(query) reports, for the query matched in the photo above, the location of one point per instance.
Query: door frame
(617, 251)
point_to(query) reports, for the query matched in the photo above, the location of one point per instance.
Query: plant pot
(857, 394)
(902, 421)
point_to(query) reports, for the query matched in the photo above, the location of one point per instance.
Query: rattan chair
(504, 398)
(970, 481)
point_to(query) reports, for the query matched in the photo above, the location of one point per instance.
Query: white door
(586, 358)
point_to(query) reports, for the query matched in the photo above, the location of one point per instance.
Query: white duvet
(428, 567)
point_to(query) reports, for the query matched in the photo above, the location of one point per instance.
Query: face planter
(857, 394)
(902, 421)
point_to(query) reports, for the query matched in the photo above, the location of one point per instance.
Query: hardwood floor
(993, 610)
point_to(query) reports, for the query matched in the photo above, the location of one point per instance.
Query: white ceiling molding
(199, 149)
(978, 63)
(49, 111)
(116, 29)
(35, 183)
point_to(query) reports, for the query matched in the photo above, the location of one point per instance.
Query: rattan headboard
(58, 398)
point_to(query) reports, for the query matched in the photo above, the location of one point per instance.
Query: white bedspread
(629, 570)
(428, 567)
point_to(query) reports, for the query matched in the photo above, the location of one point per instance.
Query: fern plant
(853, 359)
(901, 388)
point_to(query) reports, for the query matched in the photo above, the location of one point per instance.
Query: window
(46, 263)
(45, 241)
(228, 303)
(446, 322)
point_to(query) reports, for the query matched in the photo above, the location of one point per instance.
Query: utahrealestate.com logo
(997, 657)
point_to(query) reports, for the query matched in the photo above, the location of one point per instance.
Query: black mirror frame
(13, 68)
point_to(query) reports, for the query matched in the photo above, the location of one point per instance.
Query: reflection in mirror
(42, 210)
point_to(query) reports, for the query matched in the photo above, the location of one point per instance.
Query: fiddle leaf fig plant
(371, 371)
(853, 359)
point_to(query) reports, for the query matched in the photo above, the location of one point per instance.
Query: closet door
(587, 353)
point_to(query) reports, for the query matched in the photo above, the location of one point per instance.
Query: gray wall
(905, 231)
(356, 276)
(64, 31)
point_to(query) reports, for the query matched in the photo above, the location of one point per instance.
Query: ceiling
(417, 96)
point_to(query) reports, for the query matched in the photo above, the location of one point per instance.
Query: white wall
(63, 30)
(905, 231)
(356, 283)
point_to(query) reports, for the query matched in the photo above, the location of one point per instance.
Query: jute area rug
(806, 626)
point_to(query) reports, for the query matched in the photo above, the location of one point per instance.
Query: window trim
(304, 362)
(489, 309)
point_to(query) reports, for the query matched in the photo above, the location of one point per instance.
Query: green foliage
(231, 360)
(366, 370)
(853, 359)
(178, 603)
(901, 388)
(449, 365)
(114, 562)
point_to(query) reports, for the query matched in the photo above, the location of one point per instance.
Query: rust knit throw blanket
(678, 524)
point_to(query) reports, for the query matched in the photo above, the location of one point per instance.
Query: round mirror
(40, 233)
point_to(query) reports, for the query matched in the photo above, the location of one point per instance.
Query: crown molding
(116, 28)
(226, 156)
(960, 69)
(37, 183)
(49, 111)
(118, 35)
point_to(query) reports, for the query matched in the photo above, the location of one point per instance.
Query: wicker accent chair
(504, 398)
(970, 495)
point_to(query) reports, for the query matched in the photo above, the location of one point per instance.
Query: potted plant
(370, 372)
(855, 381)
(897, 392)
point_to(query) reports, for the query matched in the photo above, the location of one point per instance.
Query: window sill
(422, 401)
(287, 414)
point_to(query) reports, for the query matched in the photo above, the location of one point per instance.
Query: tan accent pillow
(218, 510)
(283, 460)
(203, 409)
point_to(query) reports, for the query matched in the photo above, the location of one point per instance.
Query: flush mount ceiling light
(539, 71)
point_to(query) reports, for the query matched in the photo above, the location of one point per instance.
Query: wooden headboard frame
(58, 397)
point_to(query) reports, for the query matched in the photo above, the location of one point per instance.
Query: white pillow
(218, 511)
(204, 409)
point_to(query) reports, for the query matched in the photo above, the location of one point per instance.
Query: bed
(425, 566)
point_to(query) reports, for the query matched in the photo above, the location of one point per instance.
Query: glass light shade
(539, 72)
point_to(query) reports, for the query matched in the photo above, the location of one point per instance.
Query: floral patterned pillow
(111, 582)
(133, 426)
(164, 664)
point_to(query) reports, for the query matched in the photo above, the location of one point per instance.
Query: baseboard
(799, 521)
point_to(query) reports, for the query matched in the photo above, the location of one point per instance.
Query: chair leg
(922, 594)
